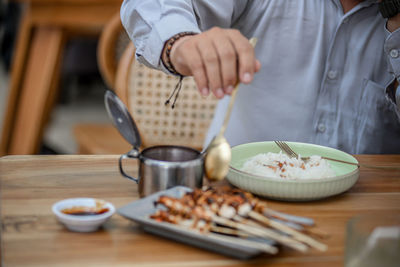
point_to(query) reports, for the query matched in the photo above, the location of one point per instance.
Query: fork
(291, 153)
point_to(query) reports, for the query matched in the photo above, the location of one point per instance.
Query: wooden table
(31, 235)
(45, 27)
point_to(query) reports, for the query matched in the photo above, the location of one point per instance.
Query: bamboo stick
(243, 242)
(228, 231)
(262, 232)
(286, 229)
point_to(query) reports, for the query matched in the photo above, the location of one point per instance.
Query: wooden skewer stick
(262, 232)
(286, 229)
(265, 210)
(316, 232)
(228, 231)
(246, 243)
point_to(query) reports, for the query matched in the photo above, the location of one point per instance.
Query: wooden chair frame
(106, 52)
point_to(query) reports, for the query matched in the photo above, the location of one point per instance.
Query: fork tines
(286, 149)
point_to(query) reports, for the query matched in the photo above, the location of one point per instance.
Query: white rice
(279, 165)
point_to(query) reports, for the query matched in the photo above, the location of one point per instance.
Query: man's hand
(217, 58)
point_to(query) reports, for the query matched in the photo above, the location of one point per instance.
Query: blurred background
(58, 57)
(71, 30)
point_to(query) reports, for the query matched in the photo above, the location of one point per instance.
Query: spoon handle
(228, 111)
(253, 42)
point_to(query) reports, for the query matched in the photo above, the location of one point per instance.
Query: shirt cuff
(163, 30)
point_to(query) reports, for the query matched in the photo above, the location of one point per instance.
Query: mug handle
(133, 154)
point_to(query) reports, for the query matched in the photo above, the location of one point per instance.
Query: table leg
(16, 76)
(38, 91)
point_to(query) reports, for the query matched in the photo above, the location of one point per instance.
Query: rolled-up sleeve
(151, 23)
(392, 50)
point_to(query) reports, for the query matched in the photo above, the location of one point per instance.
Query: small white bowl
(82, 223)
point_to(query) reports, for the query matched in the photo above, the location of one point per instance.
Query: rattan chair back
(145, 94)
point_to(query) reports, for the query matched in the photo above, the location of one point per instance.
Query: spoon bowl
(218, 157)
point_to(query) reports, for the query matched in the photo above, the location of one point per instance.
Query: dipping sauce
(85, 210)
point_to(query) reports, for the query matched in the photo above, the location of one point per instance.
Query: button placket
(328, 91)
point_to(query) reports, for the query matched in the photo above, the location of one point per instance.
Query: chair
(144, 91)
(104, 138)
(112, 44)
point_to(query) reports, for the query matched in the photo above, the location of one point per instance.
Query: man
(327, 69)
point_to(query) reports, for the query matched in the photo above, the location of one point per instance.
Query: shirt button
(332, 74)
(394, 53)
(321, 127)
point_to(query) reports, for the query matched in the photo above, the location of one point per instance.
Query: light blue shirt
(325, 75)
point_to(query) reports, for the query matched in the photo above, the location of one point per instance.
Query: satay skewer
(234, 202)
(262, 209)
(175, 206)
(248, 211)
(206, 227)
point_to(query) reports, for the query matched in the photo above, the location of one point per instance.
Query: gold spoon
(218, 153)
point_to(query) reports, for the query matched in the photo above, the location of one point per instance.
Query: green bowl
(292, 189)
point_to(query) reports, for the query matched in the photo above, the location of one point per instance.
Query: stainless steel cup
(163, 167)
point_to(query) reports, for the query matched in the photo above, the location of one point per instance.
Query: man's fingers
(257, 65)
(211, 64)
(198, 71)
(227, 58)
(187, 61)
(245, 54)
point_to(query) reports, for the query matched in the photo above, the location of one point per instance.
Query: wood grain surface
(31, 235)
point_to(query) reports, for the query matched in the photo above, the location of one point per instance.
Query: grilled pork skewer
(262, 207)
(205, 227)
(231, 203)
(176, 207)
(245, 209)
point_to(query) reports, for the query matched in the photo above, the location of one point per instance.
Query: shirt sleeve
(151, 23)
(392, 50)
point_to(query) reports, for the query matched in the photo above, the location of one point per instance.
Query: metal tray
(140, 210)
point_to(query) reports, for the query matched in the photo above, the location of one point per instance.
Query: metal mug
(163, 167)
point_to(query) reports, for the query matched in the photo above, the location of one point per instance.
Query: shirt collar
(363, 4)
